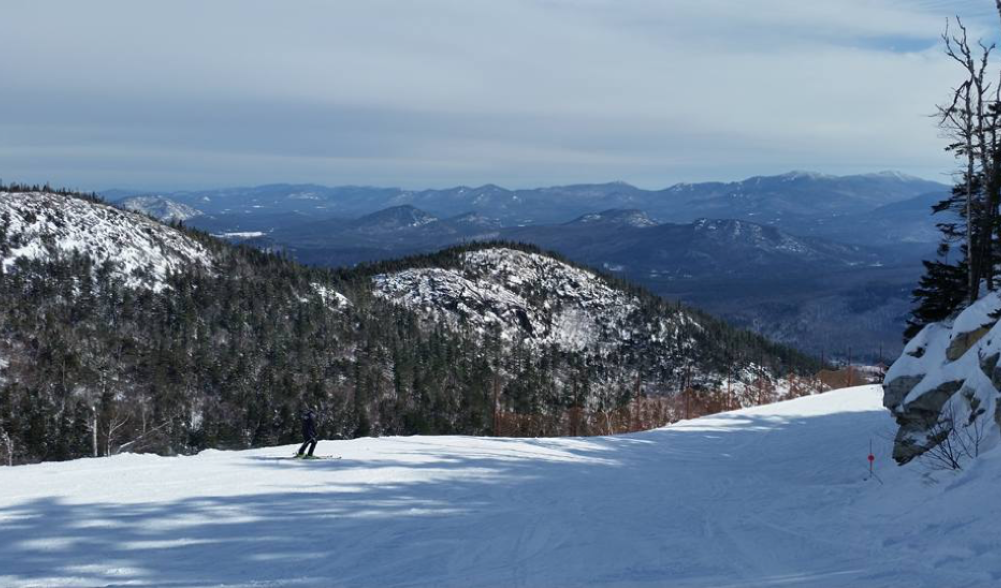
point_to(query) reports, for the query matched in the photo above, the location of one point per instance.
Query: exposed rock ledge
(948, 376)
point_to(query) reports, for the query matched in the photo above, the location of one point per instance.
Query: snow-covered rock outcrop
(528, 298)
(160, 208)
(531, 299)
(947, 382)
(44, 226)
(330, 298)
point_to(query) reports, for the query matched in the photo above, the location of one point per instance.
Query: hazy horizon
(155, 191)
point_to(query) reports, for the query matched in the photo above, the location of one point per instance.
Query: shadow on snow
(472, 521)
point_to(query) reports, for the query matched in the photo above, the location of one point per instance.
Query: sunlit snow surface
(770, 496)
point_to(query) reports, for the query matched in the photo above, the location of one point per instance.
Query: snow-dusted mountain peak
(160, 208)
(42, 226)
(394, 218)
(893, 175)
(805, 175)
(528, 297)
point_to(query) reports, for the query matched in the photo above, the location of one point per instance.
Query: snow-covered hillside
(528, 297)
(770, 496)
(624, 217)
(768, 240)
(393, 219)
(160, 208)
(40, 226)
(541, 302)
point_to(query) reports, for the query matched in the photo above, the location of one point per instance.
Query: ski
(313, 457)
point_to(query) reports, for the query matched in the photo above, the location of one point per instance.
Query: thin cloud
(443, 92)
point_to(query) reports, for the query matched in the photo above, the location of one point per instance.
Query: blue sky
(436, 93)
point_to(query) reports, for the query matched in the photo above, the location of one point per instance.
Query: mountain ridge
(225, 356)
(773, 277)
(160, 208)
(40, 226)
(559, 203)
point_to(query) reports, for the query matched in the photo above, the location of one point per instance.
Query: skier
(308, 433)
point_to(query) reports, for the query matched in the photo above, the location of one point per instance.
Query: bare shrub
(956, 440)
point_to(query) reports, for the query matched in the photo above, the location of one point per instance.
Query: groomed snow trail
(770, 496)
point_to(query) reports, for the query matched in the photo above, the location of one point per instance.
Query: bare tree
(970, 122)
(113, 426)
(8, 444)
(93, 431)
(142, 440)
(971, 434)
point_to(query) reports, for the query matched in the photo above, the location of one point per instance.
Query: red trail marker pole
(872, 458)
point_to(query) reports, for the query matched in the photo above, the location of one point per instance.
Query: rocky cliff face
(944, 387)
(533, 299)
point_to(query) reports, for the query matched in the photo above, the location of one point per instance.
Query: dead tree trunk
(93, 432)
(8, 444)
(968, 122)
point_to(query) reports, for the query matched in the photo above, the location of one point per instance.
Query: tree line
(966, 265)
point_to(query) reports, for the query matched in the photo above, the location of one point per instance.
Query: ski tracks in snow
(762, 497)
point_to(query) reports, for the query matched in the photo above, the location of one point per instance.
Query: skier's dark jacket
(308, 425)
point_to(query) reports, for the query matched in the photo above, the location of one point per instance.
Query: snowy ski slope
(769, 496)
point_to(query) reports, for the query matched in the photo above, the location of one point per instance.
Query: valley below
(824, 263)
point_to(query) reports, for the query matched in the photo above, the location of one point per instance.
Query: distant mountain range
(905, 222)
(798, 202)
(823, 262)
(622, 241)
(706, 247)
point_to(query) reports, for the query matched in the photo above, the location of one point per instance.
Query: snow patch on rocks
(331, 297)
(947, 380)
(160, 208)
(527, 298)
(44, 226)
